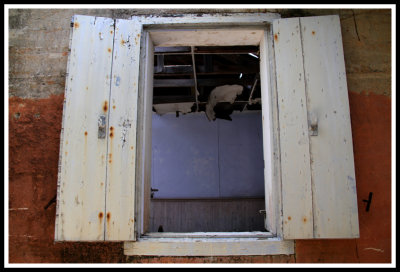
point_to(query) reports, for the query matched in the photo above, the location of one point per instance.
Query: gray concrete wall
(39, 41)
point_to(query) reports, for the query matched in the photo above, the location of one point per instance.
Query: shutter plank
(332, 162)
(144, 141)
(120, 190)
(294, 141)
(82, 172)
(267, 132)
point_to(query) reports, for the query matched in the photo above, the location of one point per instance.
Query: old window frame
(227, 243)
(313, 190)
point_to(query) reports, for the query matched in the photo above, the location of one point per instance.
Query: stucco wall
(38, 52)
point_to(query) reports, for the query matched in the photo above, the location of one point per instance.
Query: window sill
(208, 246)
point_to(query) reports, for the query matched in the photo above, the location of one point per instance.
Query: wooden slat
(332, 162)
(201, 70)
(164, 83)
(270, 188)
(174, 69)
(120, 187)
(82, 173)
(207, 215)
(165, 38)
(173, 99)
(146, 155)
(294, 141)
(224, 20)
(242, 234)
(208, 247)
(205, 50)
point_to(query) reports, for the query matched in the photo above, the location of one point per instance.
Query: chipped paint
(120, 191)
(126, 125)
(374, 249)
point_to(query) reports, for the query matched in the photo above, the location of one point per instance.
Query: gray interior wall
(195, 158)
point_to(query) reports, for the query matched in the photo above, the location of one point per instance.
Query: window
(207, 171)
(183, 37)
(105, 151)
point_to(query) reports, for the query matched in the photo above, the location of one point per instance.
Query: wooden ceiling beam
(166, 83)
(221, 50)
(174, 70)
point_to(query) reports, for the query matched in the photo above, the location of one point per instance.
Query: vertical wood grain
(294, 141)
(207, 215)
(270, 184)
(146, 155)
(82, 173)
(121, 160)
(332, 162)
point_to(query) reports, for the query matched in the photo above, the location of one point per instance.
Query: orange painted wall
(371, 128)
(34, 129)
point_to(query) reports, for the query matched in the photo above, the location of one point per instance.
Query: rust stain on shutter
(105, 106)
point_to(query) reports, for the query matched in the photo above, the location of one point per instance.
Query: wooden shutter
(317, 165)
(97, 152)
(120, 188)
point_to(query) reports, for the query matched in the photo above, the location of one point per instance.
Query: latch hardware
(313, 125)
(102, 127)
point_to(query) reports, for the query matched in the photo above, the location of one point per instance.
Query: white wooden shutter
(120, 188)
(317, 165)
(97, 152)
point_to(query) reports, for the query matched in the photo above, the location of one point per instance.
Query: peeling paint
(374, 249)
(173, 107)
(225, 93)
(125, 124)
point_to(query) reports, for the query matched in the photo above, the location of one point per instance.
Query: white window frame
(186, 30)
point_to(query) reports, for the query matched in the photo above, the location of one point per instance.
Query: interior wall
(209, 175)
(207, 215)
(196, 158)
(37, 61)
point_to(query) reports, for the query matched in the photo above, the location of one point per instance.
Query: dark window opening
(207, 159)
